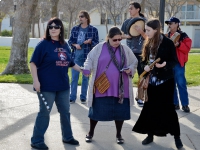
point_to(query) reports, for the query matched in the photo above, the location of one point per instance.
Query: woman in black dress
(158, 116)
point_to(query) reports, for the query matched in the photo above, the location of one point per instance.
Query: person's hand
(176, 44)
(77, 46)
(146, 68)
(127, 71)
(86, 75)
(87, 41)
(128, 36)
(160, 65)
(139, 29)
(36, 85)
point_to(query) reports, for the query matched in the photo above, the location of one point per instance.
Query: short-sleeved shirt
(52, 61)
(134, 43)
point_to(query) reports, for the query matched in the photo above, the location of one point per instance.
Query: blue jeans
(74, 83)
(180, 83)
(61, 99)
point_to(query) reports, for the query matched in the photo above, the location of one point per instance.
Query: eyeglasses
(55, 27)
(115, 40)
(81, 16)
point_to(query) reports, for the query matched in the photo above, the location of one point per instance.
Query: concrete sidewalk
(19, 107)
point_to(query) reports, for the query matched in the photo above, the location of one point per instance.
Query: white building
(6, 24)
(189, 16)
(190, 22)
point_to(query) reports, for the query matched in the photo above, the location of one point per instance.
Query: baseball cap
(172, 19)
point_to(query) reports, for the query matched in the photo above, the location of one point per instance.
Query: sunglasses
(115, 40)
(55, 27)
(81, 16)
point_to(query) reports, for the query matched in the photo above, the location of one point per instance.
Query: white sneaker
(140, 103)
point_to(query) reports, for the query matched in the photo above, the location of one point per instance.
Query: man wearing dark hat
(182, 49)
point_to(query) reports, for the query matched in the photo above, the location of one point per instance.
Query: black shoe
(147, 140)
(120, 140)
(88, 138)
(177, 107)
(40, 146)
(140, 103)
(178, 143)
(186, 109)
(83, 101)
(72, 142)
(72, 102)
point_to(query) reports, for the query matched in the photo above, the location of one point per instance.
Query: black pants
(139, 68)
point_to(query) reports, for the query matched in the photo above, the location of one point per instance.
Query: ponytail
(141, 14)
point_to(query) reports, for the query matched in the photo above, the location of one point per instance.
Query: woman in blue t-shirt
(49, 68)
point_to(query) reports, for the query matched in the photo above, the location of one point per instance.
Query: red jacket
(183, 49)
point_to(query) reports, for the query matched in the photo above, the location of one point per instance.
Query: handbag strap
(110, 61)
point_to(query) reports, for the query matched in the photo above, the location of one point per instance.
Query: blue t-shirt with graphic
(52, 61)
(79, 54)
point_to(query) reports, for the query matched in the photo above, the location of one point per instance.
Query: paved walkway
(19, 106)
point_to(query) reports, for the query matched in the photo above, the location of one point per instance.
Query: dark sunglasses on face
(115, 40)
(81, 16)
(55, 27)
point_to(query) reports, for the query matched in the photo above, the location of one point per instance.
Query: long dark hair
(57, 21)
(86, 15)
(112, 32)
(137, 6)
(153, 43)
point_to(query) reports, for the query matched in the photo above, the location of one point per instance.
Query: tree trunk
(33, 30)
(106, 23)
(18, 62)
(39, 35)
(54, 12)
(69, 27)
(142, 6)
(115, 22)
(1, 18)
(0, 26)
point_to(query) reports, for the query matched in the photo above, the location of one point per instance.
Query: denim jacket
(92, 33)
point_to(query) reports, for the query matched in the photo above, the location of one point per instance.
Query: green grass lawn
(192, 68)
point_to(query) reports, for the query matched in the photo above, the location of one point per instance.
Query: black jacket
(166, 52)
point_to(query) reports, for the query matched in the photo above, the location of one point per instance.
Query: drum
(175, 37)
(132, 24)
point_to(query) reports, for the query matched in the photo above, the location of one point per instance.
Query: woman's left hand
(86, 75)
(161, 65)
(127, 71)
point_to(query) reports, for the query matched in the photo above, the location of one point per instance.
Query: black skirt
(158, 115)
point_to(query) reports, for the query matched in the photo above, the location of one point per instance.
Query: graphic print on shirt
(81, 37)
(62, 57)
